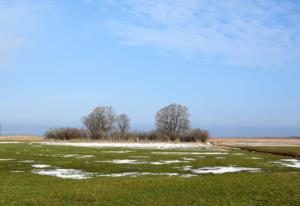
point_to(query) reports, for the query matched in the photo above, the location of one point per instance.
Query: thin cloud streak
(256, 34)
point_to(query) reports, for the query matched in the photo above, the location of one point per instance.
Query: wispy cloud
(15, 16)
(249, 33)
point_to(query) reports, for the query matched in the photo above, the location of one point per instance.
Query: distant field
(48, 175)
(256, 142)
(288, 151)
(21, 138)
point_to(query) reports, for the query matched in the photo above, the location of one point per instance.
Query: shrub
(66, 133)
(196, 135)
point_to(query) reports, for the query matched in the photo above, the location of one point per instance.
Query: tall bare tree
(123, 123)
(100, 121)
(173, 120)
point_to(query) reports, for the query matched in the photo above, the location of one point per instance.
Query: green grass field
(275, 184)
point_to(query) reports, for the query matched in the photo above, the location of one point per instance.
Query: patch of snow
(135, 174)
(166, 162)
(131, 145)
(9, 142)
(65, 173)
(188, 159)
(73, 156)
(122, 161)
(116, 152)
(289, 163)
(220, 170)
(41, 166)
(17, 171)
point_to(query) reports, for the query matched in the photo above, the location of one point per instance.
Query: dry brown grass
(271, 141)
(21, 138)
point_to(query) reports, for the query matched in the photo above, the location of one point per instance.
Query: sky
(235, 64)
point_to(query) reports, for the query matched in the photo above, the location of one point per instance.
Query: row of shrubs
(195, 135)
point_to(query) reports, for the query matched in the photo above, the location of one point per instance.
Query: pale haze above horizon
(235, 64)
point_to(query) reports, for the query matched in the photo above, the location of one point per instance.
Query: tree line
(172, 124)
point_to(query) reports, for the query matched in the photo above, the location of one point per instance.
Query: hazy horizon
(235, 64)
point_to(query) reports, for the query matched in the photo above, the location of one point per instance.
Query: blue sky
(235, 63)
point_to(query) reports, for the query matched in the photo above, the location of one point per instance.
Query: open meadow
(88, 174)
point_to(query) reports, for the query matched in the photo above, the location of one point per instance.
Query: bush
(66, 133)
(196, 135)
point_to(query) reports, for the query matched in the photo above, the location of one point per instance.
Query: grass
(275, 185)
(286, 151)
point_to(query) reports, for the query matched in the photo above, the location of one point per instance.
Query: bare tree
(123, 123)
(173, 120)
(100, 121)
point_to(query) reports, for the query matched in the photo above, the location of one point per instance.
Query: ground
(35, 173)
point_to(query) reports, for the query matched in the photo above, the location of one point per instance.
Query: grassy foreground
(274, 185)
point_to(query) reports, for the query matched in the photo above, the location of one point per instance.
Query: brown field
(255, 141)
(21, 138)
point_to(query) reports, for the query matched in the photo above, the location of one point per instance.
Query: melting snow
(122, 161)
(116, 152)
(73, 156)
(166, 162)
(132, 145)
(188, 159)
(135, 174)
(65, 173)
(220, 170)
(9, 142)
(6, 159)
(289, 163)
(40, 166)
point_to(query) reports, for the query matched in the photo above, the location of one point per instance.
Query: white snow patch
(17, 171)
(9, 142)
(289, 163)
(166, 162)
(220, 170)
(132, 145)
(116, 152)
(73, 156)
(65, 173)
(41, 166)
(135, 174)
(188, 159)
(122, 161)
